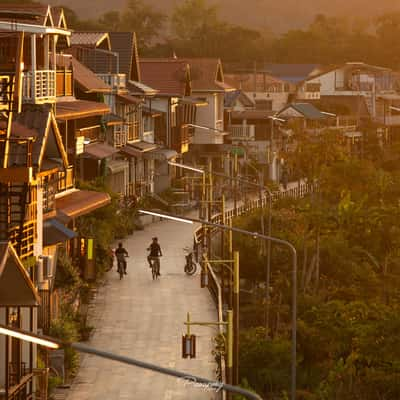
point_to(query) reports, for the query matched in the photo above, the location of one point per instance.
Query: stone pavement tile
(142, 318)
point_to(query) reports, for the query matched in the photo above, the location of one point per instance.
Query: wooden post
(236, 278)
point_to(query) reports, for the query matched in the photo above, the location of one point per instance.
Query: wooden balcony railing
(242, 132)
(116, 81)
(39, 87)
(120, 135)
(66, 179)
(29, 385)
(6, 89)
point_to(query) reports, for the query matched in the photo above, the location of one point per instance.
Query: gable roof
(125, 44)
(40, 124)
(253, 82)
(291, 72)
(207, 74)
(34, 14)
(342, 105)
(171, 77)
(76, 109)
(231, 99)
(16, 288)
(91, 39)
(87, 79)
(308, 111)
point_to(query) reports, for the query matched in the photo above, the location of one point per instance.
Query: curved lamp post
(255, 235)
(56, 343)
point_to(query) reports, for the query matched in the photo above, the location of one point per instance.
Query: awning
(126, 98)
(161, 154)
(99, 150)
(117, 166)
(194, 101)
(113, 119)
(152, 112)
(80, 202)
(80, 109)
(131, 151)
(16, 288)
(55, 232)
(144, 146)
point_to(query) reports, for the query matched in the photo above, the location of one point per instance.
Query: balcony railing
(66, 179)
(242, 132)
(29, 385)
(39, 87)
(116, 81)
(120, 135)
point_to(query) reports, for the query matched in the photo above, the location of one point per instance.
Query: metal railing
(246, 132)
(116, 81)
(39, 86)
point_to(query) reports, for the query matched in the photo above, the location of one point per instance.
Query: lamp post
(273, 119)
(256, 235)
(261, 187)
(54, 343)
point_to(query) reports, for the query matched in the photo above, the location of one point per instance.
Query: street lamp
(273, 119)
(207, 128)
(257, 235)
(261, 187)
(54, 343)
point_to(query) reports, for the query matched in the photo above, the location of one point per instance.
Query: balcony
(39, 87)
(116, 81)
(25, 384)
(242, 132)
(120, 135)
(66, 179)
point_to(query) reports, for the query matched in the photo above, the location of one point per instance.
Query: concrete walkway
(142, 318)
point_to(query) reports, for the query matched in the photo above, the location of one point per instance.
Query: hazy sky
(276, 15)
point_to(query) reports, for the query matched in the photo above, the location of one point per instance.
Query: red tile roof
(168, 76)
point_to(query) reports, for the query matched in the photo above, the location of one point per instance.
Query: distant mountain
(277, 16)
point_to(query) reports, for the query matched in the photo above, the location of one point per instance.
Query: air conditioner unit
(47, 267)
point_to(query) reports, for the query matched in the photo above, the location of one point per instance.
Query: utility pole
(236, 324)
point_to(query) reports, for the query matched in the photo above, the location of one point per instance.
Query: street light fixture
(207, 128)
(54, 343)
(257, 235)
(270, 195)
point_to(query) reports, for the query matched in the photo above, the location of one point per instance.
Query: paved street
(144, 319)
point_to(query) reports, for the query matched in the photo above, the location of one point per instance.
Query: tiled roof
(80, 109)
(16, 288)
(291, 72)
(252, 114)
(168, 76)
(90, 39)
(250, 82)
(206, 74)
(88, 80)
(308, 110)
(123, 44)
(342, 105)
(140, 88)
(26, 13)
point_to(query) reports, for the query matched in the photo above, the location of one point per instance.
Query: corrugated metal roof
(88, 80)
(81, 202)
(307, 110)
(55, 232)
(99, 150)
(80, 109)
